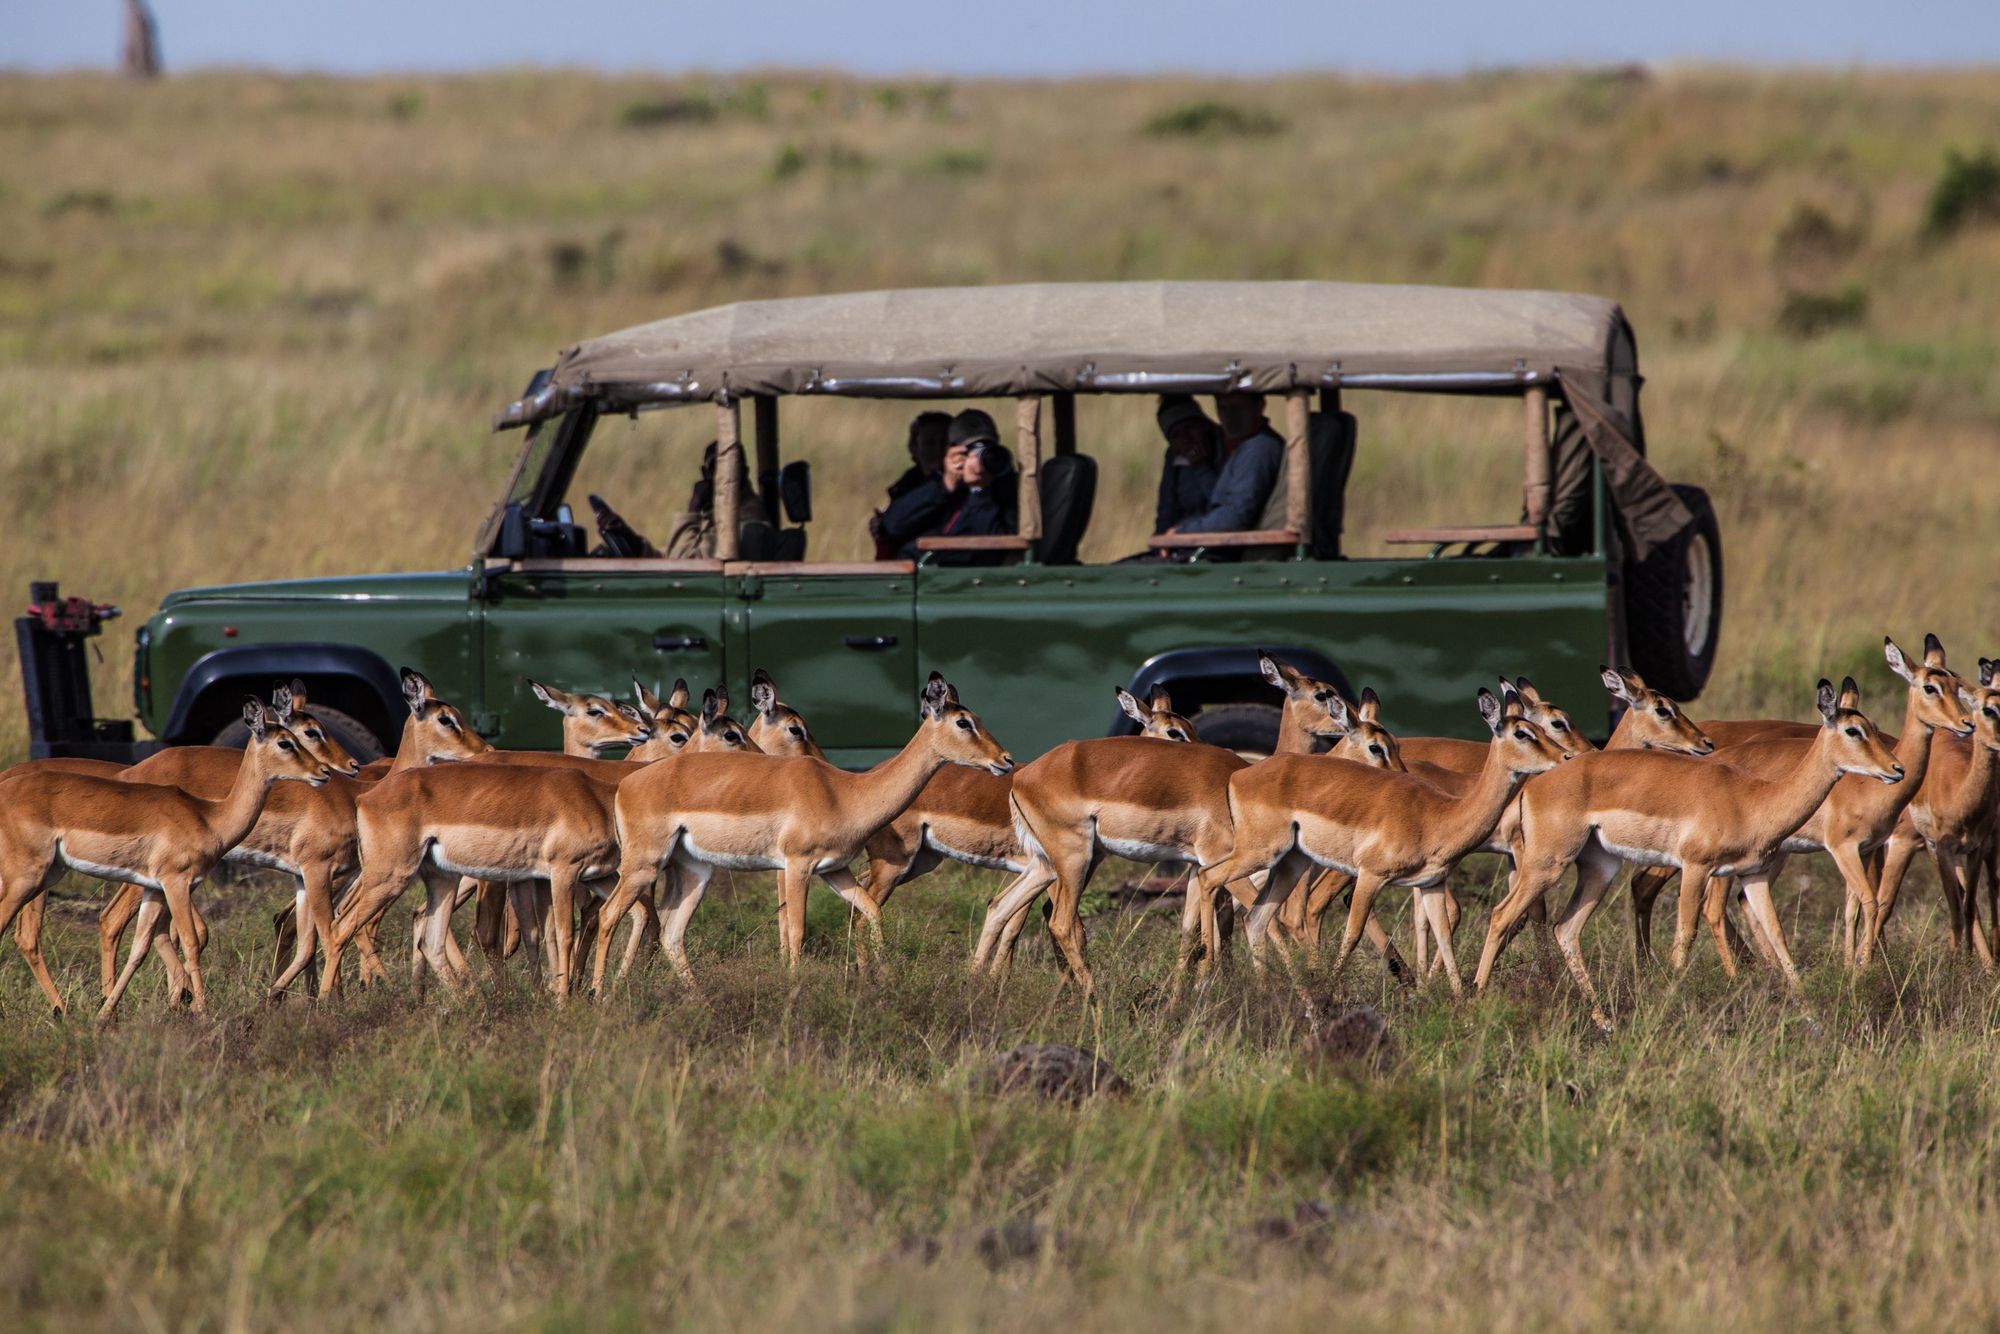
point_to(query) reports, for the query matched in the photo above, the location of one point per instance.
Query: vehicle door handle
(674, 643)
(871, 641)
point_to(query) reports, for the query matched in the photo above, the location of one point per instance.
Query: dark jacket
(912, 478)
(1185, 489)
(1247, 479)
(918, 512)
(988, 511)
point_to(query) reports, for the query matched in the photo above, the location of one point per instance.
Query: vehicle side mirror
(795, 490)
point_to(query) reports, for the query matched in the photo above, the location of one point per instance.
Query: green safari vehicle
(1599, 561)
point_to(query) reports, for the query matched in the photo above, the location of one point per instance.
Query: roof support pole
(1028, 457)
(1065, 415)
(1536, 486)
(765, 422)
(1298, 464)
(728, 471)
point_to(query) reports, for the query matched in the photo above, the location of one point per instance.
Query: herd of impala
(556, 849)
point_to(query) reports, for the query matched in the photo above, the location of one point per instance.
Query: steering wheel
(615, 536)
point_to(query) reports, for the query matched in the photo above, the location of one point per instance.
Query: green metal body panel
(1035, 649)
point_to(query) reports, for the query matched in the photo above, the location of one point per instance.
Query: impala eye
(1854, 732)
(964, 724)
(798, 732)
(447, 722)
(597, 713)
(1374, 749)
(1558, 725)
(1520, 735)
(285, 745)
(1175, 734)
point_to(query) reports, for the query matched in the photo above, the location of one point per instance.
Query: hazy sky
(1024, 37)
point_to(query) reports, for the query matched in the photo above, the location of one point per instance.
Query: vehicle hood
(433, 586)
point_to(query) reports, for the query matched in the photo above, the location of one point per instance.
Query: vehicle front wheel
(352, 734)
(1251, 730)
(1673, 603)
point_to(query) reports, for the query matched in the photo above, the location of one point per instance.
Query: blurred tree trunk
(141, 56)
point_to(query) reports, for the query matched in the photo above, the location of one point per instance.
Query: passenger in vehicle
(693, 534)
(1253, 458)
(927, 449)
(1187, 477)
(925, 511)
(992, 503)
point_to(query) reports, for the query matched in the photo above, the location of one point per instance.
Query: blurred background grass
(254, 326)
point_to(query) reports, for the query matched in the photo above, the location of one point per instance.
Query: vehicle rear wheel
(1251, 730)
(1673, 603)
(352, 734)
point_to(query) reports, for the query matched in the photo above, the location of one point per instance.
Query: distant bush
(406, 106)
(668, 111)
(956, 162)
(1811, 234)
(793, 159)
(1213, 120)
(1810, 314)
(100, 202)
(1968, 190)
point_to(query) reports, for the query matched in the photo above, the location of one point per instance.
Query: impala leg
(1764, 919)
(686, 884)
(1896, 857)
(150, 935)
(845, 885)
(1715, 912)
(21, 884)
(1688, 912)
(521, 896)
(1015, 897)
(563, 886)
(1432, 907)
(180, 908)
(1360, 912)
(1324, 891)
(1870, 929)
(372, 893)
(28, 940)
(1278, 889)
(1533, 878)
(636, 874)
(1647, 883)
(112, 919)
(489, 926)
(1595, 870)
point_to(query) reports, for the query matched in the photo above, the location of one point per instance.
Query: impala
(1957, 815)
(1377, 825)
(1657, 808)
(160, 838)
(1852, 825)
(796, 815)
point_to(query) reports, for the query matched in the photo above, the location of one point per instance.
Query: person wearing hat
(1253, 461)
(933, 508)
(1194, 445)
(991, 507)
(926, 446)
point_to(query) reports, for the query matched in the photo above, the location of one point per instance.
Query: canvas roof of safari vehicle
(1130, 337)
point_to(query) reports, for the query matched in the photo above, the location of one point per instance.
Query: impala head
(716, 730)
(280, 752)
(1983, 700)
(1522, 742)
(288, 707)
(1309, 703)
(1856, 746)
(1933, 686)
(1155, 715)
(435, 732)
(1366, 740)
(1552, 718)
(777, 727)
(1656, 721)
(956, 731)
(593, 723)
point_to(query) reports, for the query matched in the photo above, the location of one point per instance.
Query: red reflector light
(229, 632)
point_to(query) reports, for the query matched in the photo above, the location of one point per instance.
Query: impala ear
(649, 703)
(1527, 690)
(298, 693)
(630, 713)
(1827, 702)
(555, 699)
(1489, 709)
(1337, 713)
(282, 704)
(1159, 701)
(1988, 669)
(1615, 683)
(1131, 705)
(417, 692)
(711, 706)
(1850, 693)
(1371, 705)
(1282, 675)
(254, 718)
(1933, 651)
(937, 694)
(1894, 657)
(1510, 700)
(1967, 697)
(722, 698)
(678, 697)
(763, 692)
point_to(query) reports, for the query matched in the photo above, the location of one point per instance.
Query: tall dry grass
(254, 326)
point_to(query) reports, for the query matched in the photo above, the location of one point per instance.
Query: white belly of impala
(1140, 852)
(938, 845)
(264, 860)
(499, 874)
(120, 874)
(728, 861)
(1636, 855)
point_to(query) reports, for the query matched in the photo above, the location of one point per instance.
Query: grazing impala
(1957, 815)
(160, 838)
(798, 816)
(1381, 827)
(1852, 825)
(1604, 809)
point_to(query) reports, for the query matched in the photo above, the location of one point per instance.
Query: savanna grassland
(255, 326)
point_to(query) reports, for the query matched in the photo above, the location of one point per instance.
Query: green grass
(786, 1149)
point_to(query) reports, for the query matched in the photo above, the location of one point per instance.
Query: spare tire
(1251, 730)
(352, 734)
(1673, 603)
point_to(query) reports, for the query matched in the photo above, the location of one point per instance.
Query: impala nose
(1707, 746)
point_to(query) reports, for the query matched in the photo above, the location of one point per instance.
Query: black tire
(353, 735)
(1673, 604)
(1251, 730)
